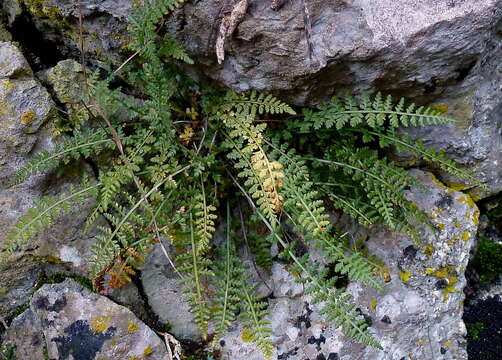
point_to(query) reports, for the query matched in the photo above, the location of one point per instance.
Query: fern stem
(350, 167)
(348, 204)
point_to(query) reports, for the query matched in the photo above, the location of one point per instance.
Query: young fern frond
(204, 220)
(375, 113)
(42, 217)
(227, 295)
(196, 269)
(253, 316)
(254, 104)
(80, 145)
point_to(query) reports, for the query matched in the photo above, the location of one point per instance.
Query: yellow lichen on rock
(99, 324)
(405, 275)
(132, 328)
(147, 351)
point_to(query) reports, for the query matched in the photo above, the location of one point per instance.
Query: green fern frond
(253, 315)
(254, 104)
(204, 220)
(80, 145)
(227, 295)
(404, 142)
(172, 49)
(375, 113)
(43, 215)
(196, 269)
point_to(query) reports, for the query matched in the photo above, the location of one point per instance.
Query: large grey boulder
(419, 313)
(67, 321)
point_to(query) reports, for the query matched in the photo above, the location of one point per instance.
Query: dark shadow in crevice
(40, 52)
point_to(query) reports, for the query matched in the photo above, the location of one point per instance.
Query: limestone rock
(432, 51)
(420, 310)
(68, 321)
(26, 111)
(165, 296)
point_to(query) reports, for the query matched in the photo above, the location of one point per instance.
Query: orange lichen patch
(457, 224)
(466, 235)
(447, 343)
(27, 117)
(440, 226)
(99, 324)
(132, 328)
(420, 341)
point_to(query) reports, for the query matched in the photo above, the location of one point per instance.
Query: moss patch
(488, 260)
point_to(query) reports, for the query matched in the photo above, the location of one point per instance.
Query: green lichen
(42, 9)
(132, 328)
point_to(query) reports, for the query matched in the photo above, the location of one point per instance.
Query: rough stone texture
(26, 110)
(432, 51)
(419, 313)
(165, 298)
(67, 321)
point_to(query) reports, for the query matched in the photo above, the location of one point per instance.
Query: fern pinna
(179, 149)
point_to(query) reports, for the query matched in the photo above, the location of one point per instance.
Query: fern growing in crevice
(196, 269)
(185, 147)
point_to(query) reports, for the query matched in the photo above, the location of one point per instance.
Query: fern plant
(185, 148)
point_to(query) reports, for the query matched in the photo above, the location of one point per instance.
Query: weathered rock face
(26, 113)
(432, 51)
(68, 321)
(418, 313)
(165, 297)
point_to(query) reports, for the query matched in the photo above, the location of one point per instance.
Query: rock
(66, 79)
(12, 62)
(26, 113)
(420, 310)
(68, 321)
(434, 52)
(165, 296)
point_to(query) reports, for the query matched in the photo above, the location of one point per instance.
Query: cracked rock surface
(67, 321)
(418, 314)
